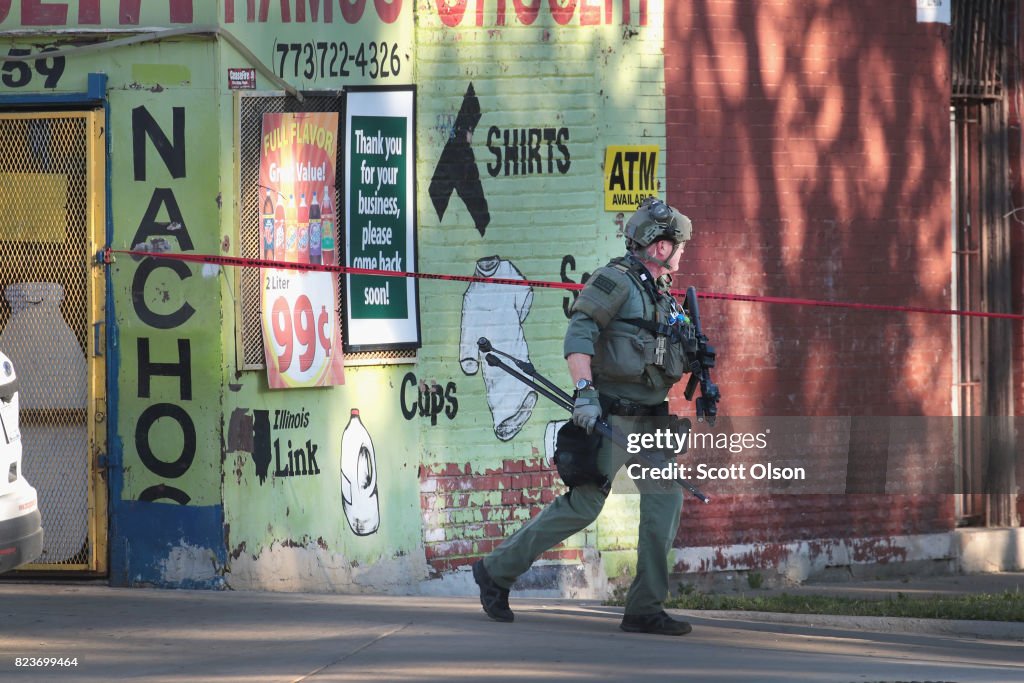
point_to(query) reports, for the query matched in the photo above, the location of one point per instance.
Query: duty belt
(625, 408)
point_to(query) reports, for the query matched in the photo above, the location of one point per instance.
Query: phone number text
(325, 59)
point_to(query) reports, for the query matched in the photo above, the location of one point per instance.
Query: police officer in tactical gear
(622, 369)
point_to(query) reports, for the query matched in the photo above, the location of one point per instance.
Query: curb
(963, 628)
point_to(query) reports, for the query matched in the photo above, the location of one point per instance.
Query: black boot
(493, 597)
(659, 623)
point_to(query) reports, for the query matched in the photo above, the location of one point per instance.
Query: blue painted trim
(74, 98)
(96, 94)
(97, 87)
(117, 543)
(150, 531)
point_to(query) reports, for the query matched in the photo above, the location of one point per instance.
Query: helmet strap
(645, 256)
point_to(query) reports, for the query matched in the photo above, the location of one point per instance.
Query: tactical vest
(649, 348)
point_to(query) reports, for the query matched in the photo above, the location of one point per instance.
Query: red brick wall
(809, 143)
(732, 520)
(1015, 138)
(466, 513)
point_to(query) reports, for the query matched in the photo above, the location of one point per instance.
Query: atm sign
(630, 176)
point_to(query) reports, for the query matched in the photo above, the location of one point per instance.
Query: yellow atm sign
(630, 176)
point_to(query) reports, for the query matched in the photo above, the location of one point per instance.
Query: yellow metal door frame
(52, 224)
(96, 352)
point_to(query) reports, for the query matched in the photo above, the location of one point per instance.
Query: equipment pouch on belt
(681, 426)
(576, 457)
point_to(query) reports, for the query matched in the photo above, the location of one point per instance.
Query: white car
(21, 531)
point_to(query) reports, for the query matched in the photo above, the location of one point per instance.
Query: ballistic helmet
(655, 220)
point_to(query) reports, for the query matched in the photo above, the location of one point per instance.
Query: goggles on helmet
(655, 220)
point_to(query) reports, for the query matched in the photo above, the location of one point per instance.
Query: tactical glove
(586, 410)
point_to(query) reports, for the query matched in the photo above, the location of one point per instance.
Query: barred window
(251, 108)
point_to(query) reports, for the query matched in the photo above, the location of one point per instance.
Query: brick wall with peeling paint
(1015, 153)
(466, 513)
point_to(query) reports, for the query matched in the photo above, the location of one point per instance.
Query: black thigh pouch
(576, 457)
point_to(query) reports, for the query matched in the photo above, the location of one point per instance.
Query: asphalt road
(174, 635)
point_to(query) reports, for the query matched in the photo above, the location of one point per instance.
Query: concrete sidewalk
(181, 635)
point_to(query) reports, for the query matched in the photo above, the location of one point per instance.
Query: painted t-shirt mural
(498, 311)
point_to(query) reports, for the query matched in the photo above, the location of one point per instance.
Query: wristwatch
(582, 384)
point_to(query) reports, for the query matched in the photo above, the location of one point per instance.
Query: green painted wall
(293, 532)
(159, 307)
(568, 86)
(193, 505)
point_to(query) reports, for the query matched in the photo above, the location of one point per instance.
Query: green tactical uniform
(629, 369)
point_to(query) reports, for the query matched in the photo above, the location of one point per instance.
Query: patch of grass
(1007, 606)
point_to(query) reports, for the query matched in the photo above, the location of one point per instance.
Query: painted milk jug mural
(359, 478)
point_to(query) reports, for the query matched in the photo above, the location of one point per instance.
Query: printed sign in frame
(299, 308)
(381, 311)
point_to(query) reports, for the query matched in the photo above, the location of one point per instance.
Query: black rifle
(528, 375)
(701, 361)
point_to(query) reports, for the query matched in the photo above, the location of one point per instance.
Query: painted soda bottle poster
(299, 308)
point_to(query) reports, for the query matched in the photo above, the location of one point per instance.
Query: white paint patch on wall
(589, 584)
(798, 561)
(313, 569)
(990, 550)
(189, 564)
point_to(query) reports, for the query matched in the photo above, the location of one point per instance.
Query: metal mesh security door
(51, 311)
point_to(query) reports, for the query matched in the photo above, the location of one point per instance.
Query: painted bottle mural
(279, 230)
(267, 216)
(327, 228)
(302, 255)
(315, 245)
(291, 230)
(53, 380)
(359, 478)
